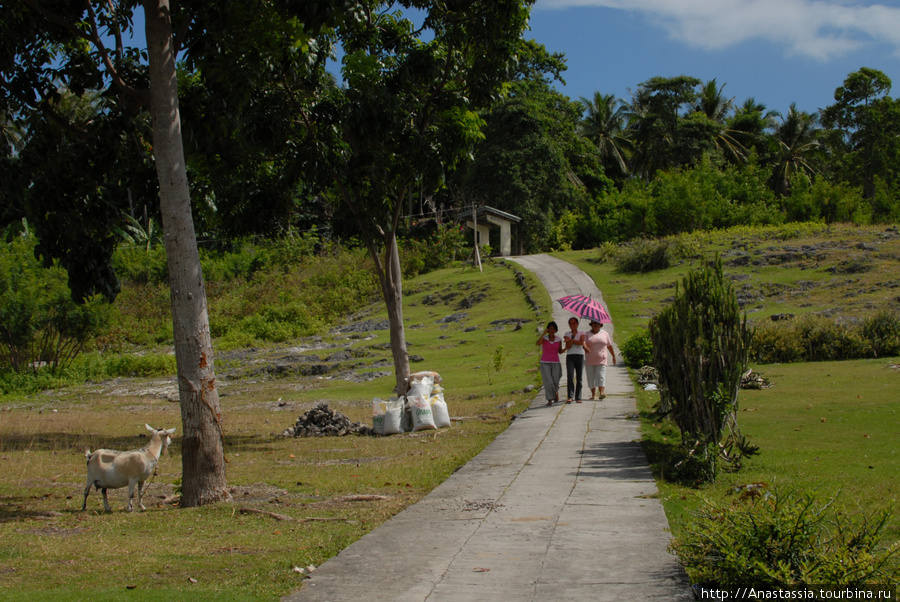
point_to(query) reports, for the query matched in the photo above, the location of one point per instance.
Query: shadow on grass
(64, 442)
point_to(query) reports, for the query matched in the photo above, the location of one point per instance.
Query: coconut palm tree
(716, 107)
(797, 141)
(604, 125)
(750, 122)
(712, 103)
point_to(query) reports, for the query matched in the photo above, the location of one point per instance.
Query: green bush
(420, 255)
(882, 331)
(776, 342)
(638, 349)
(773, 540)
(40, 325)
(700, 347)
(813, 338)
(136, 264)
(643, 255)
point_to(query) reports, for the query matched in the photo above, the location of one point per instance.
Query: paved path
(560, 506)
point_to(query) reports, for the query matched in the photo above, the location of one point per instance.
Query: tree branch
(107, 61)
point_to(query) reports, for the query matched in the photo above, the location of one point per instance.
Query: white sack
(422, 417)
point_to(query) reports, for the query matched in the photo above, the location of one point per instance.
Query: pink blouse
(550, 351)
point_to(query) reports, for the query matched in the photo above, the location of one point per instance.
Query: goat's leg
(105, 501)
(87, 490)
(130, 495)
(140, 487)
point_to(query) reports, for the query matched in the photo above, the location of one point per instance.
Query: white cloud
(821, 29)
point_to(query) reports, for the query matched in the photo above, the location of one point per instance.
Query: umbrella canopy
(585, 307)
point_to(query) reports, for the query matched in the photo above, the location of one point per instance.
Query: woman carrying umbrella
(596, 347)
(551, 370)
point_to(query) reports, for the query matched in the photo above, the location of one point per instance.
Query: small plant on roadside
(773, 539)
(497, 359)
(638, 349)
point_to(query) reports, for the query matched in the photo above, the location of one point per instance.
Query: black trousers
(574, 374)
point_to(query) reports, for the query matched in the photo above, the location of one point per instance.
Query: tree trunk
(203, 455)
(391, 280)
(392, 287)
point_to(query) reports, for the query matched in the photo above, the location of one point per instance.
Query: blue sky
(777, 51)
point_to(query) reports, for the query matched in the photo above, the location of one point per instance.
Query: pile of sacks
(422, 408)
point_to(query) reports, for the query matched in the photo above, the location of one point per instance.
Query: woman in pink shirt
(551, 370)
(596, 347)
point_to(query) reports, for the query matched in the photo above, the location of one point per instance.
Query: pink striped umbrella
(585, 307)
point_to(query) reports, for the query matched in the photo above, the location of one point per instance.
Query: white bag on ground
(417, 375)
(439, 408)
(422, 418)
(393, 417)
(420, 385)
(379, 408)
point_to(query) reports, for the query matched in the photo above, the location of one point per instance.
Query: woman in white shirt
(574, 341)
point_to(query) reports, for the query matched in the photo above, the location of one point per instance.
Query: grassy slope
(49, 547)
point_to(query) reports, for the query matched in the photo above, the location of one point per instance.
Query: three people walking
(586, 352)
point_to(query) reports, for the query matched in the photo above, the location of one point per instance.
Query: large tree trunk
(391, 281)
(203, 455)
(393, 298)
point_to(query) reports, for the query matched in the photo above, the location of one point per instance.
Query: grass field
(48, 547)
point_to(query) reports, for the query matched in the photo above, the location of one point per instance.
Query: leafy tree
(404, 116)
(47, 45)
(865, 125)
(665, 130)
(796, 148)
(532, 162)
(604, 125)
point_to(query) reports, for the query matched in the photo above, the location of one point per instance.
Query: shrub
(776, 342)
(812, 338)
(40, 325)
(643, 255)
(773, 540)
(882, 331)
(700, 347)
(638, 349)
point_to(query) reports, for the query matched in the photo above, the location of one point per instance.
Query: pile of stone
(754, 380)
(321, 421)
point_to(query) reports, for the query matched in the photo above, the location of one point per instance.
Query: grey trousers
(551, 373)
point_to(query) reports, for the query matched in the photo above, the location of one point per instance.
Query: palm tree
(750, 122)
(797, 143)
(604, 125)
(712, 103)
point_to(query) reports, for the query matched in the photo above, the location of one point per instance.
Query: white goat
(111, 469)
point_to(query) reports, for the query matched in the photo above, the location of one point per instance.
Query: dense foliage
(771, 539)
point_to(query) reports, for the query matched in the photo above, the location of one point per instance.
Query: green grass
(822, 428)
(48, 547)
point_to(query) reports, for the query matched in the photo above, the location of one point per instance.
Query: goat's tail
(87, 454)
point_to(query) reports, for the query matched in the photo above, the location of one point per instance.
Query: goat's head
(165, 435)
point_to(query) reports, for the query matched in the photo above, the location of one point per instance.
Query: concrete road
(560, 506)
